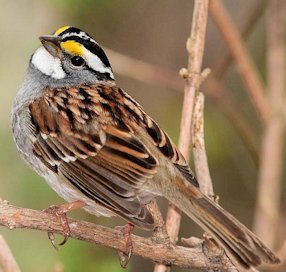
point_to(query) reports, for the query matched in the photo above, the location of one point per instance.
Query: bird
(99, 150)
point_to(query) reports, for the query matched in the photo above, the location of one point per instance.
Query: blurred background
(154, 32)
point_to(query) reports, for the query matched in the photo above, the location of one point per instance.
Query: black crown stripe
(71, 30)
(92, 47)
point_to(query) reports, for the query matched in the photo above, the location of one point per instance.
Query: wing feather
(84, 133)
(99, 156)
(168, 148)
(159, 137)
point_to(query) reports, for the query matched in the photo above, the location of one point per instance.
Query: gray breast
(23, 134)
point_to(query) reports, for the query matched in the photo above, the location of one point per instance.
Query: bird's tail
(226, 230)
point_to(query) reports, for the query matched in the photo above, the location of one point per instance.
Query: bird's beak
(52, 45)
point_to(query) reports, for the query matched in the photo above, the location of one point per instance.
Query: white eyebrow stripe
(96, 64)
(80, 35)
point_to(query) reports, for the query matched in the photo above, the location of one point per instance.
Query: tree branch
(245, 64)
(214, 88)
(270, 172)
(195, 47)
(147, 73)
(192, 75)
(14, 217)
(255, 14)
(199, 151)
(7, 260)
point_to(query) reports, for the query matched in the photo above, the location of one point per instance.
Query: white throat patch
(48, 64)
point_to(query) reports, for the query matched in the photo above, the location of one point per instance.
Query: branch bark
(270, 172)
(195, 47)
(14, 217)
(199, 151)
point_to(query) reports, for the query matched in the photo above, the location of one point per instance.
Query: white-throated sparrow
(93, 143)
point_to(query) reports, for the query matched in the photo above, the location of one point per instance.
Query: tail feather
(228, 232)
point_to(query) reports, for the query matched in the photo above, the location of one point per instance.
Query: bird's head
(71, 54)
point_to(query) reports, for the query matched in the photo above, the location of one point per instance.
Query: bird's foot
(126, 231)
(61, 211)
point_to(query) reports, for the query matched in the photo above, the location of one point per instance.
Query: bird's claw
(60, 211)
(125, 256)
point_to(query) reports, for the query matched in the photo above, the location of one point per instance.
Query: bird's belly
(66, 190)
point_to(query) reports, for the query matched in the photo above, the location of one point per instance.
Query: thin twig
(7, 260)
(14, 217)
(195, 48)
(199, 151)
(270, 172)
(164, 78)
(251, 20)
(245, 64)
(224, 100)
(214, 88)
(59, 268)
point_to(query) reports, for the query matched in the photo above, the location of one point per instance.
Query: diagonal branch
(14, 217)
(255, 14)
(244, 61)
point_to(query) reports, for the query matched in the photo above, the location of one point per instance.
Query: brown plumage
(99, 140)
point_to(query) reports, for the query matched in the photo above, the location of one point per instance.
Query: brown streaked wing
(104, 162)
(159, 137)
(116, 174)
(56, 139)
(169, 149)
(107, 189)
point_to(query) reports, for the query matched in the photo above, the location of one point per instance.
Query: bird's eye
(77, 61)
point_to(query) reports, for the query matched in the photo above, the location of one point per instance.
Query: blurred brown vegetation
(154, 32)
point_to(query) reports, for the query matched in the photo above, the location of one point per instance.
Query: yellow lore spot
(72, 47)
(61, 30)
